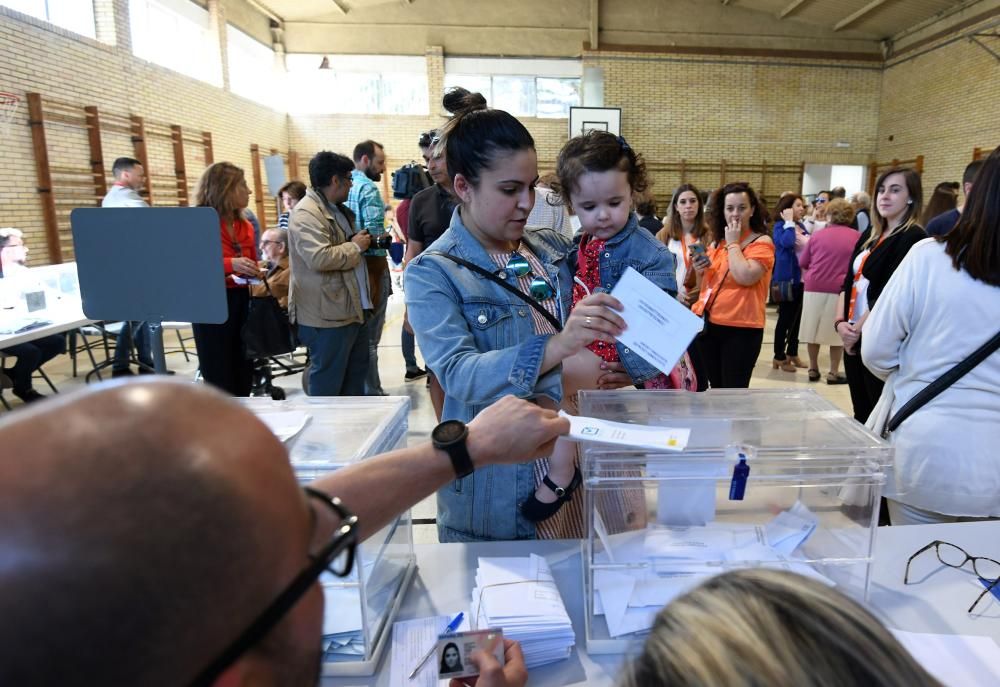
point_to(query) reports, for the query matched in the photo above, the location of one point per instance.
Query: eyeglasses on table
(954, 556)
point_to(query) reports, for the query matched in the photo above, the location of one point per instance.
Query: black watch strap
(450, 436)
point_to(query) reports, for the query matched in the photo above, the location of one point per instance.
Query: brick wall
(743, 110)
(940, 104)
(69, 68)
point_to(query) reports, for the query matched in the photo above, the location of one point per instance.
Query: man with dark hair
(365, 201)
(130, 178)
(329, 293)
(162, 519)
(430, 215)
(945, 222)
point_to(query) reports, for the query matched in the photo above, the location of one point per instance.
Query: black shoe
(536, 511)
(415, 374)
(126, 372)
(29, 395)
(151, 371)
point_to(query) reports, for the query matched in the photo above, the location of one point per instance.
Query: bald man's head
(144, 526)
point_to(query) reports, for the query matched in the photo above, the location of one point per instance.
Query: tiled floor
(422, 418)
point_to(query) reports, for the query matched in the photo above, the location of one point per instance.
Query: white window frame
(481, 67)
(44, 11)
(311, 90)
(201, 58)
(263, 85)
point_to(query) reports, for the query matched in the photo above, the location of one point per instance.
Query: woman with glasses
(490, 305)
(221, 358)
(940, 305)
(817, 218)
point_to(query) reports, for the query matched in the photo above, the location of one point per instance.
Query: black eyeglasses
(953, 556)
(327, 553)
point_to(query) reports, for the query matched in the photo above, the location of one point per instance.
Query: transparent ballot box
(324, 434)
(769, 478)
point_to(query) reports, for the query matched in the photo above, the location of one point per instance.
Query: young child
(598, 174)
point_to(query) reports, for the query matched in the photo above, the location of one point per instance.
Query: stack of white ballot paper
(641, 571)
(520, 596)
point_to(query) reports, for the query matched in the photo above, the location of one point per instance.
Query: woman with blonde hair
(876, 256)
(221, 357)
(768, 627)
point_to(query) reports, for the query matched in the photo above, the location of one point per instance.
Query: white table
(64, 307)
(63, 320)
(936, 601)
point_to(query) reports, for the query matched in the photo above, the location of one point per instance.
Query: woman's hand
(849, 334)
(592, 319)
(246, 267)
(700, 262)
(734, 230)
(788, 214)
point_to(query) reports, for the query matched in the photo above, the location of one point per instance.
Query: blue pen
(452, 626)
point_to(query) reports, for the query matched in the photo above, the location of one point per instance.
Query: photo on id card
(453, 651)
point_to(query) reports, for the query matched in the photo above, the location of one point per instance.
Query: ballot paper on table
(658, 327)
(520, 596)
(285, 424)
(624, 434)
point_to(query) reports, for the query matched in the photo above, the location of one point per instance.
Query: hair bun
(459, 101)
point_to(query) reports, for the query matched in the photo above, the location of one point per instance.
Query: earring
(909, 202)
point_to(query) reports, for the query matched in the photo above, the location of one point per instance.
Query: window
(73, 15)
(176, 34)
(525, 88)
(356, 84)
(251, 68)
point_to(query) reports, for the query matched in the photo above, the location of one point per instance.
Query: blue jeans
(375, 325)
(338, 359)
(409, 345)
(132, 331)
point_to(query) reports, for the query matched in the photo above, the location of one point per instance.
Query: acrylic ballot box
(772, 478)
(324, 434)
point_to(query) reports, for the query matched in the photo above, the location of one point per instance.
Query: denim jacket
(635, 247)
(480, 342)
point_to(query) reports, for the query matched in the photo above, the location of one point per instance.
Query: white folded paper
(520, 596)
(624, 434)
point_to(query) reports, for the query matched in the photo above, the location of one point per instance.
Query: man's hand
(362, 240)
(491, 674)
(513, 431)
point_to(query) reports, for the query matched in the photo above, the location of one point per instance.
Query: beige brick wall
(940, 104)
(742, 110)
(63, 66)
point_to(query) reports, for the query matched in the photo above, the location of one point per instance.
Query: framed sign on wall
(584, 119)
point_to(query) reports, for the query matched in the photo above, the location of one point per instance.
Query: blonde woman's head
(223, 186)
(751, 628)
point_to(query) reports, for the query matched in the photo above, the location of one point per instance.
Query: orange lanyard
(857, 276)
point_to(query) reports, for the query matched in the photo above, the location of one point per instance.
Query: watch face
(449, 432)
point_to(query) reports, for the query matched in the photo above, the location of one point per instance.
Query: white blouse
(929, 318)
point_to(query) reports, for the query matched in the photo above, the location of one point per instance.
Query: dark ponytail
(476, 135)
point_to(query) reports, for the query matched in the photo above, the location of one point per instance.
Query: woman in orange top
(735, 274)
(221, 358)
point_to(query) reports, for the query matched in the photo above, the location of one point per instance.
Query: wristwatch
(450, 436)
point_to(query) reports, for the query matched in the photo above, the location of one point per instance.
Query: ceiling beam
(595, 23)
(341, 5)
(790, 8)
(848, 20)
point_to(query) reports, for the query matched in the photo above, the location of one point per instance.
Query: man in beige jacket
(329, 293)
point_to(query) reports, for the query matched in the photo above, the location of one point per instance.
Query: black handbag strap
(942, 383)
(497, 280)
